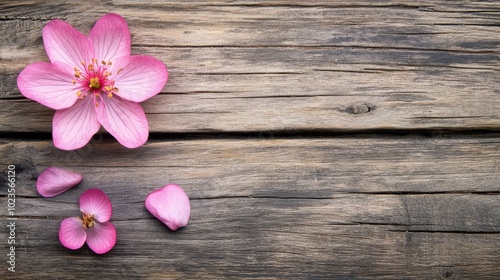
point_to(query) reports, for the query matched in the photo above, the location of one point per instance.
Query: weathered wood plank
(404, 207)
(377, 92)
(295, 206)
(424, 25)
(316, 168)
(258, 238)
(145, 249)
(280, 66)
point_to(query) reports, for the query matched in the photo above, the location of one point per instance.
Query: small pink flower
(54, 181)
(93, 81)
(93, 226)
(170, 205)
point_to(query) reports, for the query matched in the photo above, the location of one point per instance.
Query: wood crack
(318, 47)
(280, 134)
(447, 231)
(27, 18)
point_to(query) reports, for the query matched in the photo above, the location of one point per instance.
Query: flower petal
(124, 119)
(54, 180)
(140, 77)
(170, 205)
(111, 38)
(97, 203)
(72, 233)
(101, 237)
(49, 84)
(65, 44)
(73, 127)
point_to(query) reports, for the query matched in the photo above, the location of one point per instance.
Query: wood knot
(359, 109)
(446, 272)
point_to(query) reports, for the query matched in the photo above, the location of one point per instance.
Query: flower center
(88, 220)
(94, 83)
(94, 79)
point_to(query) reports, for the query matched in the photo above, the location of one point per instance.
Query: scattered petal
(72, 233)
(140, 77)
(48, 83)
(74, 127)
(97, 203)
(101, 237)
(170, 205)
(111, 38)
(54, 181)
(125, 120)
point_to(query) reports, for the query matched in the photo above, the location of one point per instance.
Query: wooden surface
(316, 140)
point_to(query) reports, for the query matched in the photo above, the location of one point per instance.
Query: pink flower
(170, 205)
(93, 226)
(54, 181)
(92, 81)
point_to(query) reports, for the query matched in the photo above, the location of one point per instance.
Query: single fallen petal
(101, 237)
(72, 233)
(97, 203)
(170, 205)
(54, 181)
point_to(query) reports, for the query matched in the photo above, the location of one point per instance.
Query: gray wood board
(404, 207)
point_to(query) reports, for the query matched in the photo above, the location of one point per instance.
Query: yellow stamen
(88, 220)
(91, 68)
(78, 93)
(119, 70)
(77, 74)
(110, 95)
(83, 63)
(103, 62)
(94, 83)
(109, 63)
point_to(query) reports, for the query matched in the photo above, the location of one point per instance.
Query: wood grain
(316, 139)
(281, 66)
(316, 167)
(407, 207)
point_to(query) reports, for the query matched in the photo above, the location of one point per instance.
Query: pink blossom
(170, 205)
(54, 181)
(93, 81)
(93, 226)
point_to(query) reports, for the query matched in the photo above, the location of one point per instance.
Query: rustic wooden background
(316, 139)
